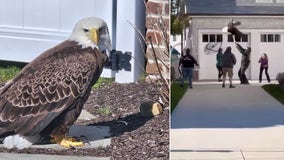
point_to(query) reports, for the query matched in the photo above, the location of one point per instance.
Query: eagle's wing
(51, 83)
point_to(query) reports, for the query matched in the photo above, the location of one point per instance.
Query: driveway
(242, 122)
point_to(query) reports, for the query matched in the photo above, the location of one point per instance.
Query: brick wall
(157, 24)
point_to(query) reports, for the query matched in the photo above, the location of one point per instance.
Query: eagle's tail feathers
(19, 141)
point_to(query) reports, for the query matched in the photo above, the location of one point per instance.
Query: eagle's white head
(92, 32)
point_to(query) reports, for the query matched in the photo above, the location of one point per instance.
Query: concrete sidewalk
(211, 122)
(99, 136)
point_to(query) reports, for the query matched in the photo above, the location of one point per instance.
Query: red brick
(151, 68)
(151, 23)
(153, 7)
(154, 36)
(161, 53)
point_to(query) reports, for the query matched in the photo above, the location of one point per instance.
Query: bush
(8, 73)
(280, 79)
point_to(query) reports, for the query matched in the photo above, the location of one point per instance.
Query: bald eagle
(48, 95)
(232, 29)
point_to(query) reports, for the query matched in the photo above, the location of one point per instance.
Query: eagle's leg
(60, 138)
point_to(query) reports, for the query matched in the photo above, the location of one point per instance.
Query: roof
(233, 7)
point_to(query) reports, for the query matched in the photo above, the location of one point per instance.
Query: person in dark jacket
(187, 63)
(245, 61)
(228, 62)
(219, 64)
(263, 66)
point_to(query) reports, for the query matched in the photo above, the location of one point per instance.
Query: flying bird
(48, 95)
(232, 29)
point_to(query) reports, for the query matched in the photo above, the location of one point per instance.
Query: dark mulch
(133, 136)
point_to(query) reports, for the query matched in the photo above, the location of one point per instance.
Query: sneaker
(190, 87)
(231, 86)
(223, 85)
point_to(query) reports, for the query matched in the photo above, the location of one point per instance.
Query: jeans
(266, 73)
(187, 73)
(242, 73)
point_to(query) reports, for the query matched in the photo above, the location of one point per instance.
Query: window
(277, 38)
(270, 38)
(212, 38)
(205, 38)
(238, 38)
(263, 38)
(219, 38)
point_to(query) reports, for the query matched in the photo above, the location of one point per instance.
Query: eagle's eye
(86, 30)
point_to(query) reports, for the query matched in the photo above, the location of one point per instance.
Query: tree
(179, 19)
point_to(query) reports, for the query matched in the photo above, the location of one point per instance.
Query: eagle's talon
(71, 147)
(86, 140)
(71, 142)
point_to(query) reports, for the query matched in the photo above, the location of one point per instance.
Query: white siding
(29, 27)
(274, 50)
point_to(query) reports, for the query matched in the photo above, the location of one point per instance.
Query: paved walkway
(97, 135)
(211, 122)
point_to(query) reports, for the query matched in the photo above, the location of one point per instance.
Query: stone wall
(157, 25)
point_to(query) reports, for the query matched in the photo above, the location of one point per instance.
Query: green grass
(102, 82)
(275, 91)
(7, 73)
(177, 93)
(106, 110)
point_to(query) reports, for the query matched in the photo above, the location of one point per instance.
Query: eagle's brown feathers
(48, 86)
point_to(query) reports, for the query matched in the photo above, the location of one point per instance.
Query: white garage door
(209, 43)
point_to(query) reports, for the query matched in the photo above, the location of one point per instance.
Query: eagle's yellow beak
(94, 35)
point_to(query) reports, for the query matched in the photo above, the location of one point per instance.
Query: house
(262, 22)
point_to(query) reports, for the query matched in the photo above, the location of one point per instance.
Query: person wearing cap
(245, 61)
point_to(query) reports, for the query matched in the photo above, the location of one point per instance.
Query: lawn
(8, 73)
(177, 93)
(275, 91)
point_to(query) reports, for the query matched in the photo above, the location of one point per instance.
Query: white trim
(279, 1)
(28, 33)
(263, 1)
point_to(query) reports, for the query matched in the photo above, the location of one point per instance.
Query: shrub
(280, 78)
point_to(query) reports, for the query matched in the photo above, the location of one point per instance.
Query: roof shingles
(229, 7)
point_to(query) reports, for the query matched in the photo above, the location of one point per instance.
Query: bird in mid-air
(232, 28)
(48, 95)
